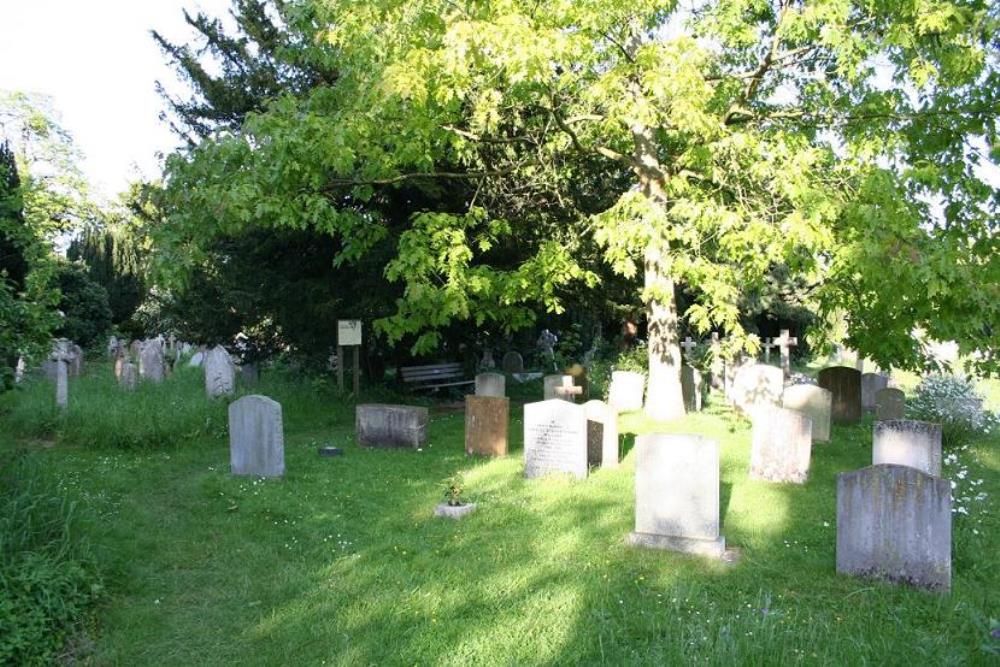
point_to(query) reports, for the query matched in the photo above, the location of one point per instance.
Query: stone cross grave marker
(894, 522)
(567, 390)
(688, 345)
(781, 445)
(220, 373)
(908, 442)
(890, 403)
(785, 343)
(768, 344)
(871, 383)
(491, 384)
(815, 403)
(62, 355)
(384, 425)
(555, 439)
(626, 391)
(677, 494)
(602, 434)
(844, 385)
(256, 437)
(486, 421)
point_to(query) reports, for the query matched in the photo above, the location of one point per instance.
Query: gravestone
(717, 368)
(908, 442)
(844, 385)
(894, 522)
(134, 347)
(487, 363)
(383, 425)
(579, 374)
(113, 347)
(890, 404)
(256, 437)
(691, 388)
(151, 361)
(76, 360)
(486, 421)
(626, 391)
(785, 343)
(602, 434)
(220, 373)
(768, 344)
(249, 374)
(62, 354)
(555, 439)
(756, 386)
(512, 363)
(197, 359)
(120, 363)
(491, 384)
(815, 403)
(871, 383)
(560, 386)
(677, 494)
(781, 445)
(129, 378)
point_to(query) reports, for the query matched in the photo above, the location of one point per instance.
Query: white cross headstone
(785, 343)
(567, 390)
(768, 345)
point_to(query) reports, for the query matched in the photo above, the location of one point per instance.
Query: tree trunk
(664, 398)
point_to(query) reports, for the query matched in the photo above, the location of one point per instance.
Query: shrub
(951, 401)
(48, 580)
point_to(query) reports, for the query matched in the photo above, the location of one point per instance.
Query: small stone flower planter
(454, 511)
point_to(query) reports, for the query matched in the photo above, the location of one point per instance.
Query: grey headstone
(627, 390)
(151, 360)
(129, 377)
(512, 363)
(249, 374)
(894, 522)
(677, 494)
(62, 354)
(870, 384)
(491, 384)
(602, 434)
(908, 443)
(890, 404)
(197, 359)
(384, 425)
(756, 386)
(555, 438)
(76, 360)
(220, 373)
(781, 445)
(815, 403)
(844, 384)
(691, 388)
(256, 437)
(50, 368)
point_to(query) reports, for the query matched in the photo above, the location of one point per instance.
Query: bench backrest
(431, 373)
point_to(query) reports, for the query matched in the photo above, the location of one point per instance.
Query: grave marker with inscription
(555, 439)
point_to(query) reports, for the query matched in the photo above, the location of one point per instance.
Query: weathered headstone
(486, 422)
(626, 391)
(220, 373)
(383, 425)
(256, 437)
(844, 385)
(815, 403)
(890, 404)
(62, 354)
(781, 445)
(871, 383)
(129, 378)
(134, 348)
(151, 360)
(487, 363)
(677, 494)
(555, 438)
(602, 434)
(113, 347)
(908, 442)
(756, 386)
(691, 388)
(717, 370)
(894, 522)
(76, 360)
(491, 384)
(197, 359)
(512, 362)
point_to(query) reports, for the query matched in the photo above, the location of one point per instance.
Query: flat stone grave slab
(890, 404)
(486, 424)
(814, 402)
(391, 426)
(907, 442)
(555, 439)
(894, 523)
(844, 384)
(677, 494)
(781, 445)
(256, 437)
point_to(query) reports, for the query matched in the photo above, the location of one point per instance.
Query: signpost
(349, 335)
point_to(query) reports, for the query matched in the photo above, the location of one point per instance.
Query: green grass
(342, 562)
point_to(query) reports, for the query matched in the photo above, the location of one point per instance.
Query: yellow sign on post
(349, 335)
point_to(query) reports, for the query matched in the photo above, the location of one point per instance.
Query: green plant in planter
(453, 488)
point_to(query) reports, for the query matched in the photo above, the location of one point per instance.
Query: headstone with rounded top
(890, 403)
(871, 383)
(256, 437)
(151, 360)
(756, 386)
(815, 403)
(781, 445)
(844, 385)
(220, 373)
(512, 362)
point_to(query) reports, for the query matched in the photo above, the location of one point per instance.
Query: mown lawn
(342, 562)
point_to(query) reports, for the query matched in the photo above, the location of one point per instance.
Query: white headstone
(909, 443)
(781, 445)
(627, 390)
(757, 385)
(151, 360)
(491, 384)
(815, 403)
(220, 372)
(555, 438)
(256, 437)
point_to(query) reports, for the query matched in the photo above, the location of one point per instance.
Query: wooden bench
(434, 376)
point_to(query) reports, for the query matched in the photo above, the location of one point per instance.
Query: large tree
(839, 141)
